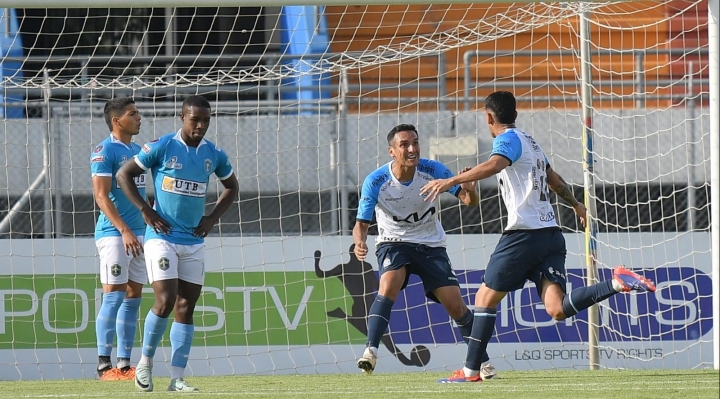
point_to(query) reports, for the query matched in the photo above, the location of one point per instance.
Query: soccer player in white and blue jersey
(532, 246)
(181, 164)
(411, 239)
(118, 237)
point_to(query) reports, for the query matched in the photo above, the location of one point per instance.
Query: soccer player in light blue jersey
(411, 239)
(532, 246)
(181, 164)
(118, 237)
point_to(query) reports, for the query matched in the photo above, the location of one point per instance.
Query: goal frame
(714, 110)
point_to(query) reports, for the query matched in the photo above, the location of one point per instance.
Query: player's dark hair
(405, 127)
(115, 108)
(502, 104)
(195, 101)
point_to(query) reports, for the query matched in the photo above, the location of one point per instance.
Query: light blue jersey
(402, 214)
(105, 161)
(180, 176)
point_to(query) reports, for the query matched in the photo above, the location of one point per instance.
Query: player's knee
(555, 311)
(134, 290)
(164, 304)
(456, 310)
(390, 289)
(184, 310)
(390, 293)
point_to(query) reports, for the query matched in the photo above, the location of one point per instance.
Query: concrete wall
(289, 153)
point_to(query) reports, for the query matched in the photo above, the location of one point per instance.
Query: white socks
(617, 286)
(145, 361)
(177, 372)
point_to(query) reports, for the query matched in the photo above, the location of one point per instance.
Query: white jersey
(402, 214)
(523, 184)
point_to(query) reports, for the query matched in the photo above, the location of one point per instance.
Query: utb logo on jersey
(183, 187)
(139, 181)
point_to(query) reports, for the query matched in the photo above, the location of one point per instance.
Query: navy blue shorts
(523, 255)
(431, 264)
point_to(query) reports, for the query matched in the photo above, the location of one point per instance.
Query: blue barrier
(304, 31)
(10, 46)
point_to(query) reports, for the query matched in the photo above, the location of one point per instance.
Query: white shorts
(116, 266)
(167, 261)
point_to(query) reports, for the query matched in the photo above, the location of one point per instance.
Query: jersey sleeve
(101, 162)
(368, 199)
(440, 171)
(224, 167)
(151, 154)
(508, 146)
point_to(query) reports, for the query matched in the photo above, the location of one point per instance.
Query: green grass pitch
(605, 384)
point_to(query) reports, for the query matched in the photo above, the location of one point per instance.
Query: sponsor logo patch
(183, 187)
(115, 270)
(97, 159)
(146, 146)
(98, 148)
(173, 164)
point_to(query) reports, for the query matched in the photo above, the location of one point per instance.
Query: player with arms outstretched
(118, 237)
(410, 238)
(532, 246)
(181, 164)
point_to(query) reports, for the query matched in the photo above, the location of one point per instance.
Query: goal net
(302, 99)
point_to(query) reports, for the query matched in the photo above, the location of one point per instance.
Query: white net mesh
(302, 99)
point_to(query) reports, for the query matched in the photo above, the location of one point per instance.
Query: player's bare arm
(560, 187)
(126, 179)
(228, 196)
(468, 193)
(489, 168)
(360, 232)
(101, 190)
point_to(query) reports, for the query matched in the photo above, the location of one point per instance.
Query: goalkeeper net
(302, 99)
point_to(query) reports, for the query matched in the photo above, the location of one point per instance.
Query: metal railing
(639, 80)
(268, 93)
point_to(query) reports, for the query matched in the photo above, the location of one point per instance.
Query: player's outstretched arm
(126, 179)
(360, 232)
(489, 168)
(561, 188)
(101, 191)
(228, 196)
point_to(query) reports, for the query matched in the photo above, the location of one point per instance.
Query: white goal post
(622, 95)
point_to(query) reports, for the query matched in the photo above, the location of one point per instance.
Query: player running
(411, 239)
